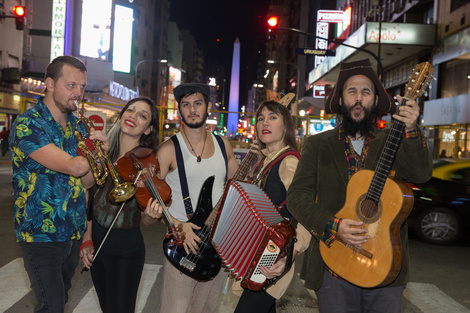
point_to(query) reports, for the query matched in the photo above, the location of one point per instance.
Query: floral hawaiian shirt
(49, 206)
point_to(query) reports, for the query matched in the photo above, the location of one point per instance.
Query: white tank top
(196, 174)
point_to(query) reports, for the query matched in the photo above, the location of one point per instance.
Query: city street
(440, 275)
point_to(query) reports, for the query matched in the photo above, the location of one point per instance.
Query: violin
(142, 161)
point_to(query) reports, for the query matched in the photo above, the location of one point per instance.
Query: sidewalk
(5, 159)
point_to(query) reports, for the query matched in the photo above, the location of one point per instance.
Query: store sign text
(395, 33)
(59, 8)
(121, 92)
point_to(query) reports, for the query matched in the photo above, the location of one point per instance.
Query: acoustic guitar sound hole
(368, 210)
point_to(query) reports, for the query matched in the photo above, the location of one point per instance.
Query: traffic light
(19, 13)
(273, 22)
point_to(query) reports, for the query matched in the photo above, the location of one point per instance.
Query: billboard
(123, 21)
(59, 9)
(95, 34)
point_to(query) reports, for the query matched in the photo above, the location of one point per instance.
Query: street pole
(381, 70)
(143, 61)
(380, 30)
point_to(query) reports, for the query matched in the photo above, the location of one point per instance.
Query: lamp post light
(143, 61)
(298, 75)
(379, 63)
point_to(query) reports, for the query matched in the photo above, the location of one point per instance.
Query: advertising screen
(95, 33)
(122, 38)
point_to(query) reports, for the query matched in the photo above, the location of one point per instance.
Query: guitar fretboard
(386, 161)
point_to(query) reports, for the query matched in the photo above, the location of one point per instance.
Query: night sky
(209, 20)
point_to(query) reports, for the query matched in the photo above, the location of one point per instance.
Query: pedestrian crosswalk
(14, 286)
(90, 303)
(4, 170)
(430, 299)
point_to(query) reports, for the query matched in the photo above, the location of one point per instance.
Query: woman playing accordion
(273, 174)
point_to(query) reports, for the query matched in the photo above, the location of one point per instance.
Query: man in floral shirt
(48, 181)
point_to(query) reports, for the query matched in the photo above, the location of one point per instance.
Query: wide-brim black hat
(182, 90)
(385, 103)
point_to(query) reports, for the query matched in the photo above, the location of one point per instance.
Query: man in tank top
(202, 155)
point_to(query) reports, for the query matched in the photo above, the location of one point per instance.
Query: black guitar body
(206, 263)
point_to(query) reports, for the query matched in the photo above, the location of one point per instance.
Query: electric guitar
(382, 202)
(206, 263)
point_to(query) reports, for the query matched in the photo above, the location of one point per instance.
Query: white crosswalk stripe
(14, 285)
(90, 303)
(430, 299)
(5, 170)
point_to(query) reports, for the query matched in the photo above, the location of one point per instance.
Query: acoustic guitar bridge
(356, 249)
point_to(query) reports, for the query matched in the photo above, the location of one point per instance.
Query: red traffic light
(19, 11)
(273, 21)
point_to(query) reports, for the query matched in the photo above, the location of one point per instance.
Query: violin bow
(85, 269)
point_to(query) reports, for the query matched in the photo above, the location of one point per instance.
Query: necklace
(203, 146)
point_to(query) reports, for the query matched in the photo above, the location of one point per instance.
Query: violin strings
(154, 192)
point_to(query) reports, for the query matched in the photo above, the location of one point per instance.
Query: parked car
(441, 212)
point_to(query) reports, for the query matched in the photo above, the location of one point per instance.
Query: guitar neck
(245, 166)
(386, 159)
(419, 80)
(240, 174)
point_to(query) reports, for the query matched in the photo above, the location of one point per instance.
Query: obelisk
(233, 102)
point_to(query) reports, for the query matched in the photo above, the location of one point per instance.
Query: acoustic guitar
(382, 202)
(206, 263)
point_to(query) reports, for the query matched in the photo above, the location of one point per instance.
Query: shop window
(455, 4)
(454, 78)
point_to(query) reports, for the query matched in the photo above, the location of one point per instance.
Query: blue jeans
(50, 267)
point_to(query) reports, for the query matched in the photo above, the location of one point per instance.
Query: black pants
(256, 302)
(117, 279)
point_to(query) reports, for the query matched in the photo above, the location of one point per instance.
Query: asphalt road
(440, 275)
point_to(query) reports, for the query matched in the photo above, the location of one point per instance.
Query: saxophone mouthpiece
(77, 103)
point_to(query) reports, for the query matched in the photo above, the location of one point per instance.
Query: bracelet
(87, 243)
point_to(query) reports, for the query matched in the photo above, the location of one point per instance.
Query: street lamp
(143, 61)
(380, 66)
(298, 75)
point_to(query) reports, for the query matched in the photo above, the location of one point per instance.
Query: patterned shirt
(49, 206)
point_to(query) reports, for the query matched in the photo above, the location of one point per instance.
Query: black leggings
(117, 280)
(256, 302)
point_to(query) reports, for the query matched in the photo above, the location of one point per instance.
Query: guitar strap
(266, 170)
(182, 172)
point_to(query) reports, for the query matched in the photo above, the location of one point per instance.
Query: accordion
(249, 232)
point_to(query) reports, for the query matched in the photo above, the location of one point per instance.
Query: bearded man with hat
(329, 159)
(186, 161)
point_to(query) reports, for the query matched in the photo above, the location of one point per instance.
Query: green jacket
(318, 190)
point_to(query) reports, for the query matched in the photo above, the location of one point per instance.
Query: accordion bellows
(249, 232)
